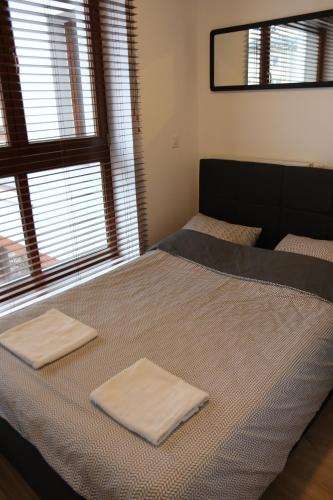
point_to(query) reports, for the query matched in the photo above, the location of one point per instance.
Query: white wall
(282, 124)
(167, 62)
(177, 102)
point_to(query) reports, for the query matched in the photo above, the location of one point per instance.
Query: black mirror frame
(273, 86)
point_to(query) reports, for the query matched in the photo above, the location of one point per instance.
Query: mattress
(250, 327)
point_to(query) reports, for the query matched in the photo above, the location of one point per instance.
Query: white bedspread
(262, 352)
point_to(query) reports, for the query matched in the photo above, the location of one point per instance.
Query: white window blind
(71, 179)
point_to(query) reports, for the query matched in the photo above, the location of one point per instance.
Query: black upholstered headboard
(280, 199)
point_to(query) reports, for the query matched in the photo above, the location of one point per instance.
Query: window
(281, 54)
(71, 193)
(291, 55)
(52, 50)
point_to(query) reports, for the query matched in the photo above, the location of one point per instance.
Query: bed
(252, 327)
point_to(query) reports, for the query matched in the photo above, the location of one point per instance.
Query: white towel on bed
(148, 400)
(46, 338)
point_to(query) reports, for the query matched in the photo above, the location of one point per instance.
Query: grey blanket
(309, 274)
(263, 352)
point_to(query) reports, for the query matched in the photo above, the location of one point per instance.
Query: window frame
(19, 157)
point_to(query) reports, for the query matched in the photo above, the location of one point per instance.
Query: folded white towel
(46, 338)
(148, 400)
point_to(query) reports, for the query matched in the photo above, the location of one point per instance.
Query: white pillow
(222, 230)
(322, 249)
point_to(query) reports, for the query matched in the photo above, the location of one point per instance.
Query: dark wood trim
(109, 208)
(322, 54)
(28, 224)
(265, 48)
(102, 121)
(10, 81)
(75, 78)
(98, 68)
(46, 155)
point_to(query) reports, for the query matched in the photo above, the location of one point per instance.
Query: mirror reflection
(296, 52)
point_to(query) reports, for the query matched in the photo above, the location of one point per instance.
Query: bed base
(27, 460)
(280, 199)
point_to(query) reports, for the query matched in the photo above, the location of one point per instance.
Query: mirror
(293, 52)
